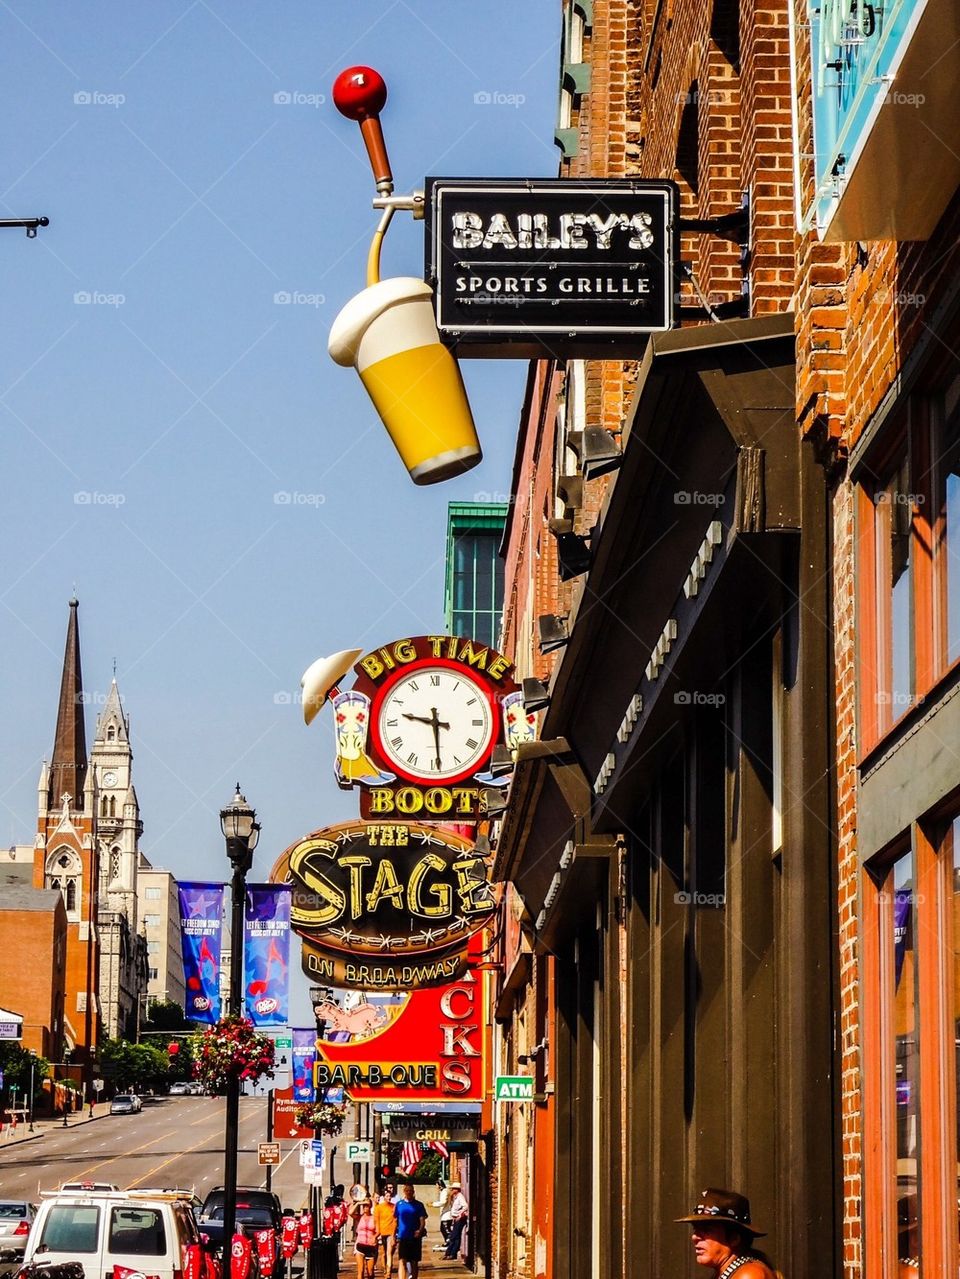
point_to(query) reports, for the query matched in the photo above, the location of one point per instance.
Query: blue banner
(201, 927)
(266, 954)
(303, 1058)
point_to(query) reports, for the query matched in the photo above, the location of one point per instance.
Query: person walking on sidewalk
(442, 1202)
(411, 1227)
(385, 1219)
(366, 1241)
(723, 1237)
(459, 1216)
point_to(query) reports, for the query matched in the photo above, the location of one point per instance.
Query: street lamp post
(66, 1081)
(33, 1063)
(238, 821)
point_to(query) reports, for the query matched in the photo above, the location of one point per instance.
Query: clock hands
(436, 723)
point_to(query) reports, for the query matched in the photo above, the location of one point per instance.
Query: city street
(173, 1141)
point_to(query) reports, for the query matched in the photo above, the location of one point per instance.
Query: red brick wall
(30, 983)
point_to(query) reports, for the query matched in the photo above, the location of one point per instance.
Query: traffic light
(173, 1048)
(386, 1170)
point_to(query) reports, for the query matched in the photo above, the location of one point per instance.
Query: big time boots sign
(521, 267)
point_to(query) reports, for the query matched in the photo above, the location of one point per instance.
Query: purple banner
(902, 901)
(304, 1057)
(266, 954)
(201, 926)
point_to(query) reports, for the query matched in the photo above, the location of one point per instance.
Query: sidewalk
(42, 1126)
(432, 1264)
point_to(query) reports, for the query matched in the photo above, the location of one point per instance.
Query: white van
(107, 1230)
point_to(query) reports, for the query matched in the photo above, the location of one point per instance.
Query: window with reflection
(893, 514)
(949, 541)
(906, 1077)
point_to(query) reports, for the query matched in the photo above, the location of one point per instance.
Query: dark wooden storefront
(672, 833)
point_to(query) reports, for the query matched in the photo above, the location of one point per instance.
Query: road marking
(81, 1176)
(157, 1167)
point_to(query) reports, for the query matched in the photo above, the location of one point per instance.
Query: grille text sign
(521, 267)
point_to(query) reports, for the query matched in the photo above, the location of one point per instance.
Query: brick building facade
(668, 937)
(33, 944)
(877, 370)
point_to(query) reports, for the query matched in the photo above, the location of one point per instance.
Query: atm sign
(513, 1088)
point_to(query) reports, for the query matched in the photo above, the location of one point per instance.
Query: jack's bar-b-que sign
(385, 906)
(574, 267)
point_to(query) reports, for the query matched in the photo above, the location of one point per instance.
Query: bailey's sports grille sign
(572, 266)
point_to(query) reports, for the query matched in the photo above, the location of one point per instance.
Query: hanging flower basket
(322, 1116)
(231, 1050)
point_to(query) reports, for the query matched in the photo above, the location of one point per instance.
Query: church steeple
(68, 767)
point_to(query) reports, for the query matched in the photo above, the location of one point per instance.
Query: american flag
(412, 1151)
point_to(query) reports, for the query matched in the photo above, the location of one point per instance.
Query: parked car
(16, 1216)
(257, 1209)
(181, 1089)
(112, 1229)
(125, 1104)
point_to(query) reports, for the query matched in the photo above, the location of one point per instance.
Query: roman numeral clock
(418, 728)
(435, 723)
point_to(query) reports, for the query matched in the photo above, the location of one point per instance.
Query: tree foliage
(166, 1014)
(15, 1064)
(129, 1065)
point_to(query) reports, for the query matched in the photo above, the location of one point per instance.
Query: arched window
(113, 805)
(105, 806)
(111, 733)
(64, 872)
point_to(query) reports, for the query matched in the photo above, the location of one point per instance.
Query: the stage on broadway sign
(385, 906)
(573, 267)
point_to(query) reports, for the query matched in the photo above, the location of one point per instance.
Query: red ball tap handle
(359, 93)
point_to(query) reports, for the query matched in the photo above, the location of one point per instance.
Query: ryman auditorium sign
(570, 266)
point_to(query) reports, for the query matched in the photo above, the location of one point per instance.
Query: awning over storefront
(711, 465)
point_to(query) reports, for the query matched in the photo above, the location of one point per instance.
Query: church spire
(69, 764)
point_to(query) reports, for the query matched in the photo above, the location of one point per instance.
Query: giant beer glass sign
(572, 267)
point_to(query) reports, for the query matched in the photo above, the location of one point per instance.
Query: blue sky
(147, 431)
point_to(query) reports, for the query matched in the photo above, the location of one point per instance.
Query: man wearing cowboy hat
(723, 1236)
(459, 1213)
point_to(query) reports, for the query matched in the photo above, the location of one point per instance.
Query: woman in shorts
(366, 1241)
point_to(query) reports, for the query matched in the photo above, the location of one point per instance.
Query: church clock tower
(123, 962)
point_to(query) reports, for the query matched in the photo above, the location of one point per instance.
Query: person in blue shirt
(411, 1227)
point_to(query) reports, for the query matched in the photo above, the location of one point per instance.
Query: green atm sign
(513, 1088)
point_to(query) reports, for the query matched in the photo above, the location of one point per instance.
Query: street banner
(303, 1059)
(266, 954)
(201, 927)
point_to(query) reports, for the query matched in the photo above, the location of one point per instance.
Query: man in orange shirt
(385, 1220)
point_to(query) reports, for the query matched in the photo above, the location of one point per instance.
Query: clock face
(110, 779)
(434, 722)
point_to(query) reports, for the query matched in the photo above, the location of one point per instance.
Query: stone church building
(87, 847)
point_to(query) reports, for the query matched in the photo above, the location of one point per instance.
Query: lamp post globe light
(238, 821)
